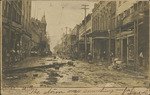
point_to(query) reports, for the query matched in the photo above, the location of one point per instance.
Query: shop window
(131, 48)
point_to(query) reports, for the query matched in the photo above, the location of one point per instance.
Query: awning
(87, 33)
(99, 34)
(124, 34)
(83, 42)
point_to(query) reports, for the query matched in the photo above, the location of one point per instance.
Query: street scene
(75, 43)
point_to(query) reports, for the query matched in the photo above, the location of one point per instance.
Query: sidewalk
(28, 62)
(98, 74)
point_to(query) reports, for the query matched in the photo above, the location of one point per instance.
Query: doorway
(125, 50)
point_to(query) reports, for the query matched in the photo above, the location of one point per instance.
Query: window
(119, 4)
(145, 3)
(20, 4)
(140, 5)
(124, 1)
(121, 16)
(135, 7)
(132, 9)
(128, 12)
(19, 19)
(13, 14)
(9, 11)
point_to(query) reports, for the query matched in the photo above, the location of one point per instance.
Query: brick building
(15, 33)
(132, 32)
(103, 19)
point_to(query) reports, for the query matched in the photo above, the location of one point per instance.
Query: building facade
(103, 19)
(15, 27)
(132, 32)
(74, 42)
(82, 42)
(36, 37)
(44, 39)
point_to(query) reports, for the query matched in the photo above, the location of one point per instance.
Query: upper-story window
(145, 3)
(9, 11)
(124, 1)
(13, 14)
(4, 8)
(121, 15)
(20, 4)
(135, 7)
(119, 4)
(131, 9)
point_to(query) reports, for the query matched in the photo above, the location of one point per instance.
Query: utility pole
(109, 56)
(66, 41)
(66, 34)
(85, 36)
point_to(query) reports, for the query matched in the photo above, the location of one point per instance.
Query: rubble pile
(117, 65)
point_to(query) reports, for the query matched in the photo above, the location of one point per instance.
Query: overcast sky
(60, 14)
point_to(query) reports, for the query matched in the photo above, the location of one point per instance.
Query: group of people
(103, 56)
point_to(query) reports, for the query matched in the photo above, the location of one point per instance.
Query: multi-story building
(36, 37)
(81, 42)
(26, 35)
(103, 19)
(44, 39)
(74, 41)
(14, 27)
(132, 32)
(82, 36)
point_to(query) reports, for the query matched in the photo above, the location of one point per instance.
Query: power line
(60, 15)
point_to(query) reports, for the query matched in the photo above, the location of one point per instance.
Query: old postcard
(75, 47)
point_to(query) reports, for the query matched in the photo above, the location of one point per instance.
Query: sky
(60, 14)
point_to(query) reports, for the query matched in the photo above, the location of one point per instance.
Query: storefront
(125, 46)
(103, 45)
(132, 40)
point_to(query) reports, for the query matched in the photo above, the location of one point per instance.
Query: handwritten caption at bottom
(75, 91)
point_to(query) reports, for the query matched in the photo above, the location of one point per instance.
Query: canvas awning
(87, 33)
(99, 34)
(124, 34)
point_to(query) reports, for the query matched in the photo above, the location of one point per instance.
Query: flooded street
(51, 72)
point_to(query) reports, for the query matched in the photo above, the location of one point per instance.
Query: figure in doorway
(89, 57)
(104, 56)
(141, 57)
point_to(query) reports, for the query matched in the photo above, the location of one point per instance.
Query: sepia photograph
(75, 44)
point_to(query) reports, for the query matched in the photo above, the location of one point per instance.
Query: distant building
(36, 35)
(40, 40)
(74, 41)
(82, 33)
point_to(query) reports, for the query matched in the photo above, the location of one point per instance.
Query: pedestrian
(89, 57)
(141, 58)
(112, 56)
(104, 56)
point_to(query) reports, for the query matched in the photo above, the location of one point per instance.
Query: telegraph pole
(85, 37)
(66, 33)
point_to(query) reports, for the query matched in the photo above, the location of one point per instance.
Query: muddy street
(51, 72)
